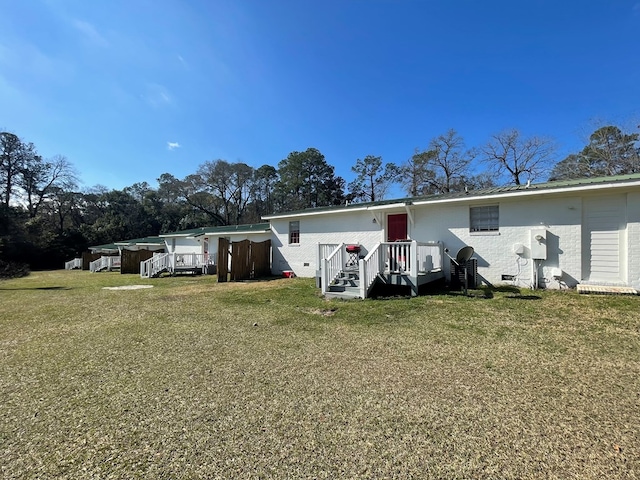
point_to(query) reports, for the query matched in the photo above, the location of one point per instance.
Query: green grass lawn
(195, 379)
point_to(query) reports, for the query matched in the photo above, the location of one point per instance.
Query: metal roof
(142, 241)
(106, 246)
(576, 184)
(220, 230)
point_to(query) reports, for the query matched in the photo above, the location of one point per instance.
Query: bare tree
(444, 167)
(518, 159)
(413, 173)
(373, 179)
(450, 161)
(39, 178)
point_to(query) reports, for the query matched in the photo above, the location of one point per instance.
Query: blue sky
(130, 89)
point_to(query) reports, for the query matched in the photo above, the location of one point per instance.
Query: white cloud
(90, 33)
(173, 145)
(157, 96)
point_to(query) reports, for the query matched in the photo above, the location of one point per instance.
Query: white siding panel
(605, 220)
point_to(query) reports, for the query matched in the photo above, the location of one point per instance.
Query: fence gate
(223, 259)
(130, 262)
(260, 259)
(88, 257)
(248, 260)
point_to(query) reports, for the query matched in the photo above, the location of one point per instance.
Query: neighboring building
(204, 240)
(153, 244)
(106, 249)
(552, 235)
(196, 250)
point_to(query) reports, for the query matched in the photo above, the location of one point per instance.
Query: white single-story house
(153, 244)
(106, 249)
(204, 240)
(196, 249)
(113, 255)
(549, 235)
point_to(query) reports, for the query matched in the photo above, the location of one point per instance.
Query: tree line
(46, 219)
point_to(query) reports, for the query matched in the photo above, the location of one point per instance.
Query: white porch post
(414, 268)
(324, 281)
(363, 279)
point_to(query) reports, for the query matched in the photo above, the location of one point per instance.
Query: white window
(484, 219)
(294, 232)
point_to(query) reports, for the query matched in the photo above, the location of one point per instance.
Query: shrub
(13, 270)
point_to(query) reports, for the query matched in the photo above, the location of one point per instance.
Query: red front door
(397, 227)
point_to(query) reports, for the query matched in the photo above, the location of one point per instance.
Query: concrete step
(343, 292)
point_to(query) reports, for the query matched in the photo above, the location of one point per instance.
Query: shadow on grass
(483, 293)
(524, 297)
(37, 288)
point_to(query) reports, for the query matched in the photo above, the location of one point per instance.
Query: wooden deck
(177, 264)
(411, 264)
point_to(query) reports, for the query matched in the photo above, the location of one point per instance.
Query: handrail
(154, 265)
(71, 264)
(174, 261)
(105, 263)
(408, 258)
(370, 266)
(332, 266)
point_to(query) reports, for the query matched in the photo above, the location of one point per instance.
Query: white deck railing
(332, 266)
(105, 263)
(370, 266)
(172, 262)
(155, 265)
(405, 258)
(72, 264)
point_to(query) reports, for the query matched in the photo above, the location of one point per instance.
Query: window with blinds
(484, 219)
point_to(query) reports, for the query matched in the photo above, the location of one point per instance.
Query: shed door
(604, 232)
(397, 227)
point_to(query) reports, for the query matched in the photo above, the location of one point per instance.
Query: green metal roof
(218, 230)
(142, 241)
(106, 246)
(472, 194)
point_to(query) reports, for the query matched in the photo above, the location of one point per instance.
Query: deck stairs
(155, 266)
(345, 285)
(175, 263)
(105, 264)
(403, 263)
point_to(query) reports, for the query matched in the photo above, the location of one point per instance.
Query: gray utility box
(457, 274)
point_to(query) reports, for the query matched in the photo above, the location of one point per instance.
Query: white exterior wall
(633, 238)
(339, 227)
(561, 217)
(560, 214)
(194, 245)
(183, 245)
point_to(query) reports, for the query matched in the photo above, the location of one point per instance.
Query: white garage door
(605, 224)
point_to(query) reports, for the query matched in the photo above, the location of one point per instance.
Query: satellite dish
(464, 254)
(462, 257)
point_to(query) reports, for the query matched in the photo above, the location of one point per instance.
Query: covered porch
(175, 263)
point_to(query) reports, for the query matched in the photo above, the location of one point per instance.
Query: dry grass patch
(175, 381)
